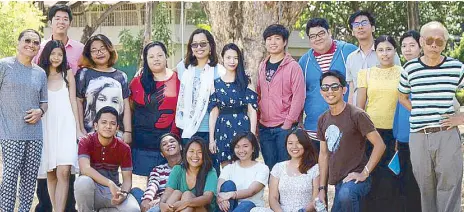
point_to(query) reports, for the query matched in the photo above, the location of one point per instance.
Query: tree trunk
(243, 23)
(413, 15)
(90, 29)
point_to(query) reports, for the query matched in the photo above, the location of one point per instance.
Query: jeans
(91, 196)
(243, 206)
(410, 197)
(205, 136)
(272, 142)
(385, 187)
(138, 194)
(45, 204)
(348, 195)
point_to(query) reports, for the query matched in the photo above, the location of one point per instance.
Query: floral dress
(233, 107)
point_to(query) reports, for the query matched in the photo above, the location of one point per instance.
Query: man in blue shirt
(325, 54)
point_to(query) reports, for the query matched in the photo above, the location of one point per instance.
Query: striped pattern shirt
(432, 90)
(324, 60)
(157, 182)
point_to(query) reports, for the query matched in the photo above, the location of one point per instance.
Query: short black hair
(384, 38)
(59, 7)
(316, 22)
(176, 137)
(361, 13)
(276, 29)
(250, 137)
(411, 33)
(336, 74)
(106, 109)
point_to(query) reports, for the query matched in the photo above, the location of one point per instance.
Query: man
(434, 142)
(100, 156)
(343, 130)
(59, 19)
(23, 102)
(362, 25)
(281, 95)
(325, 54)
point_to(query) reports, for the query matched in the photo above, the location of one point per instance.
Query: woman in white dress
(60, 125)
(294, 183)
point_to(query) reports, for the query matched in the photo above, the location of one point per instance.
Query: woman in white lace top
(293, 183)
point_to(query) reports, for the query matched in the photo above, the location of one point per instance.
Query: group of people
(196, 130)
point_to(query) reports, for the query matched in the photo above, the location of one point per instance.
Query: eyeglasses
(29, 41)
(201, 44)
(358, 24)
(333, 86)
(320, 34)
(438, 41)
(96, 51)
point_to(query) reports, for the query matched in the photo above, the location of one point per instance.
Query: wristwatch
(322, 188)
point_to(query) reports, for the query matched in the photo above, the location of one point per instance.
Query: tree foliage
(391, 17)
(16, 17)
(132, 45)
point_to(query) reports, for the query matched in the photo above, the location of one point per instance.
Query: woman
(232, 105)
(98, 84)
(171, 149)
(241, 184)
(60, 125)
(197, 76)
(153, 100)
(409, 190)
(293, 184)
(23, 102)
(192, 185)
(378, 86)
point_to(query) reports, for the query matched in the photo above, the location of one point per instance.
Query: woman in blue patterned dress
(232, 106)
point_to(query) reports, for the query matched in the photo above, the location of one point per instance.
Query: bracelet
(367, 170)
(124, 192)
(322, 188)
(43, 112)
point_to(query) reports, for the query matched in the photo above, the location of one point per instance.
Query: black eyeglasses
(29, 41)
(320, 34)
(201, 44)
(96, 51)
(358, 24)
(333, 86)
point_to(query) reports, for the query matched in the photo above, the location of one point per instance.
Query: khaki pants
(437, 166)
(91, 196)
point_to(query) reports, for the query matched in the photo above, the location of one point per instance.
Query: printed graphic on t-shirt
(102, 91)
(333, 137)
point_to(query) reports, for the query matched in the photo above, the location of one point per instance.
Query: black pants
(384, 194)
(409, 190)
(45, 204)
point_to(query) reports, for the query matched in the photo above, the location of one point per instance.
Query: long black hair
(205, 167)
(309, 158)
(146, 79)
(190, 59)
(44, 59)
(241, 78)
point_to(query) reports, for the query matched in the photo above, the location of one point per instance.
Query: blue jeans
(205, 136)
(243, 206)
(138, 194)
(272, 142)
(348, 195)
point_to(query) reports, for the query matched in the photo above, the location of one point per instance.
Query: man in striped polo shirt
(435, 142)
